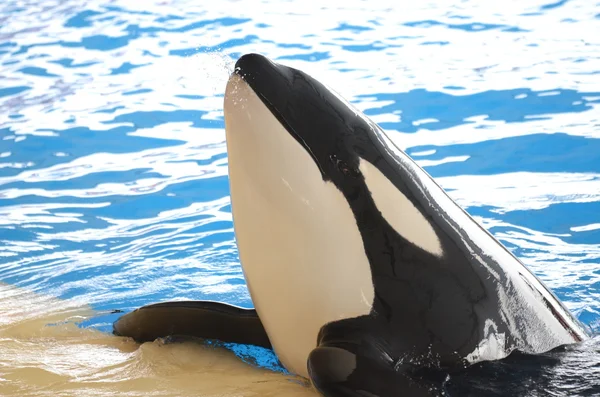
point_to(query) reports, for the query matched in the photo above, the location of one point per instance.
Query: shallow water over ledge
(44, 353)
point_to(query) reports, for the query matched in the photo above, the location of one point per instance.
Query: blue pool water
(113, 168)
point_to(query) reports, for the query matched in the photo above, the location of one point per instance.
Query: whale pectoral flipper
(337, 372)
(201, 319)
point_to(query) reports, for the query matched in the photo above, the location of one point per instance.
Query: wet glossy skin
(475, 301)
(445, 293)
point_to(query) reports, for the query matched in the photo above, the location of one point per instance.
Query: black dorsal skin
(429, 311)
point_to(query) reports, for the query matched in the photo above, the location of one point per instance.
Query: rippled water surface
(113, 168)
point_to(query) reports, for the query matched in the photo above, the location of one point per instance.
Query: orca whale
(363, 272)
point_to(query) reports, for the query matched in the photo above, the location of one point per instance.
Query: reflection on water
(113, 168)
(45, 354)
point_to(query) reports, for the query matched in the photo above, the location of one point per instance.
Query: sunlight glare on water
(113, 164)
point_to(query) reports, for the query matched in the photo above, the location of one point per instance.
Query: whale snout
(252, 65)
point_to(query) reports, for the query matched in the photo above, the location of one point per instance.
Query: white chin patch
(301, 251)
(399, 211)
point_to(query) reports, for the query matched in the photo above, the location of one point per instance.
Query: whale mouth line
(238, 71)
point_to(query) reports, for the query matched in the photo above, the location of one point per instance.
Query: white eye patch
(399, 211)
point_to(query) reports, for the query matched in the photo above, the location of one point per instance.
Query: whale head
(306, 185)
